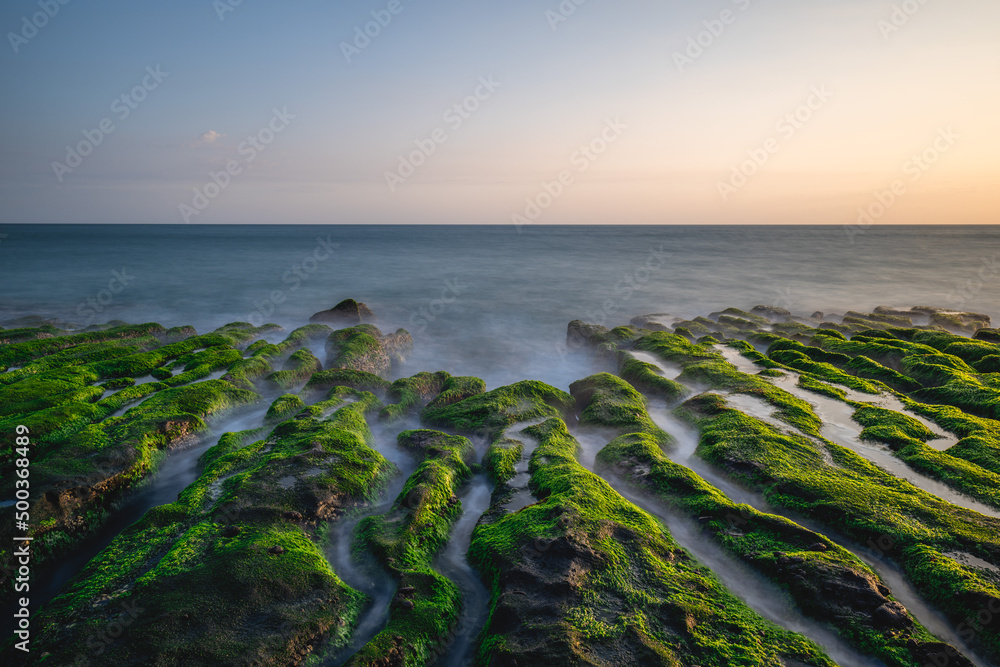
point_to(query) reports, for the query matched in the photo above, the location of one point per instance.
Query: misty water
(486, 301)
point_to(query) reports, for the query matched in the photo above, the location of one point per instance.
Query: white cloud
(209, 138)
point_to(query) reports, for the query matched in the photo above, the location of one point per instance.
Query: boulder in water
(347, 311)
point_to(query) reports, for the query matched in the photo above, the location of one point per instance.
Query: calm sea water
(487, 301)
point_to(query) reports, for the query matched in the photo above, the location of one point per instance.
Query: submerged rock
(347, 311)
(773, 313)
(652, 322)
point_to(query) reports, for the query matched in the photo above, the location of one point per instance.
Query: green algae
(95, 465)
(649, 379)
(21, 353)
(405, 541)
(585, 577)
(861, 501)
(457, 389)
(284, 407)
(813, 570)
(610, 402)
(736, 314)
(501, 458)
(864, 367)
(255, 602)
(408, 395)
(365, 348)
(298, 369)
(491, 413)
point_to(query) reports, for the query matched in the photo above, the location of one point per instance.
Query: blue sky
(873, 87)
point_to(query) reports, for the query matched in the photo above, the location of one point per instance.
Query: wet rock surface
(348, 312)
(235, 570)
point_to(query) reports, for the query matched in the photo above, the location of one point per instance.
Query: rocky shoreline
(584, 572)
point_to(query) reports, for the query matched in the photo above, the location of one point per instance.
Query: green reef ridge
(848, 463)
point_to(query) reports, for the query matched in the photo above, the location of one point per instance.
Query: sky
(850, 112)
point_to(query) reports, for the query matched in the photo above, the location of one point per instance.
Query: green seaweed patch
(324, 381)
(821, 388)
(18, 354)
(864, 367)
(298, 369)
(237, 560)
(801, 363)
(405, 540)
(673, 348)
(97, 464)
(284, 407)
(906, 437)
(500, 459)
(611, 402)
(720, 374)
(365, 348)
(736, 313)
(603, 583)
(489, 414)
(863, 502)
(457, 389)
(245, 373)
(793, 329)
(826, 582)
(649, 379)
(409, 395)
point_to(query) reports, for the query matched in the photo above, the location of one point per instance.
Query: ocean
(491, 301)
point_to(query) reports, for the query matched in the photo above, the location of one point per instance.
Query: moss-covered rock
(297, 370)
(233, 572)
(409, 395)
(861, 501)
(76, 480)
(365, 348)
(324, 381)
(487, 415)
(649, 379)
(405, 540)
(585, 577)
(610, 402)
(284, 407)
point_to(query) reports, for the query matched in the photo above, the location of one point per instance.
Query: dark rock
(650, 322)
(230, 531)
(818, 315)
(579, 334)
(407, 591)
(819, 546)
(936, 653)
(404, 603)
(293, 516)
(276, 551)
(347, 311)
(772, 313)
(991, 335)
(886, 310)
(892, 615)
